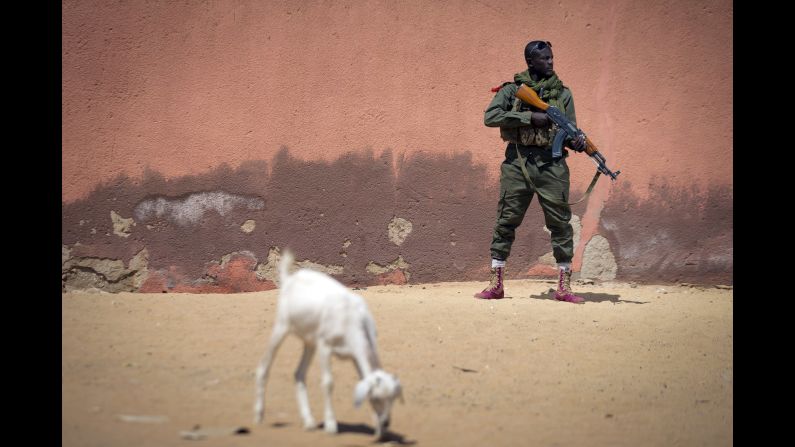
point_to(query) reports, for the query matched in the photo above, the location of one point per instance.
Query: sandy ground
(636, 365)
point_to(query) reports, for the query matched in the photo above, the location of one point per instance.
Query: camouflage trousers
(552, 178)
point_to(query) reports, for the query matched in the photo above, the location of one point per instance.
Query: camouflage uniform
(549, 175)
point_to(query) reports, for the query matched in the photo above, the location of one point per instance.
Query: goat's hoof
(330, 427)
(310, 425)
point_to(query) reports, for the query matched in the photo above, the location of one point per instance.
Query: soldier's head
(538, 55)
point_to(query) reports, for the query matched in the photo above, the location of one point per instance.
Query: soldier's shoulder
(508, 86)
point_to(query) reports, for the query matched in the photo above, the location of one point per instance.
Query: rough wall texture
(200, 138)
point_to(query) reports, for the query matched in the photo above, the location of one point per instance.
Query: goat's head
(381, 388)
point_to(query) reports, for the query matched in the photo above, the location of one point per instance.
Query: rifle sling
(550, 199)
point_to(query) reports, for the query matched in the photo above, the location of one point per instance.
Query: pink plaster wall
(182, 87)
(185, 102)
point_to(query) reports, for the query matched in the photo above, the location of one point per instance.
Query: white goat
(329, 319)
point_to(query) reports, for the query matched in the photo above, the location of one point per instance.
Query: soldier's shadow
(590, 297)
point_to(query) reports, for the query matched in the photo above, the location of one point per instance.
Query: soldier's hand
(539, 119)
(578, 144)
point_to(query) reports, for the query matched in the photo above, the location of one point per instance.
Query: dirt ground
(636, 365)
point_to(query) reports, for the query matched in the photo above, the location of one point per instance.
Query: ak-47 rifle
(567, 129)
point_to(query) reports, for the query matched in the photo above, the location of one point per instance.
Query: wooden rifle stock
(529, 96)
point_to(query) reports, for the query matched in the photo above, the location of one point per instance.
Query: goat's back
(316, 304)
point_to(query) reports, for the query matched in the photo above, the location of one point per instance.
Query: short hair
(534, 47)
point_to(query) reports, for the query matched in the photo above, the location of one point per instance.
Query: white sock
(497, 263)
(565, 266)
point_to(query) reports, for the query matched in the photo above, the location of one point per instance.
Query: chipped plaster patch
(66, 254)
(270, 270)
(110, 269)
(327, 269)
(345, 246)
(399, 263)
(121, 226)
(107, 275)
(598, 261)
(399, 229)
(228, 257)
(190, 210)
(140, 265)
(547, 259)
(248, 226)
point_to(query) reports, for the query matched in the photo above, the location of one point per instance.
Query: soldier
(529, 133)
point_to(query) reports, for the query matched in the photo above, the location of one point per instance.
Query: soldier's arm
(568, 105)
(499, 114)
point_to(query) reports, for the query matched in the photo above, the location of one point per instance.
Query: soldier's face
(541, 62)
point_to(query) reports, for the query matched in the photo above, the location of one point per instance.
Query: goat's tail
(284, 265)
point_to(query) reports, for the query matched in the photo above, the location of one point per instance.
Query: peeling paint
(598, 261)
(139, 264)
(109, 275)
(269, 269)
(189, 211)
(121, 226)
(233, 274)
(547, 259)
(225, 259)
(66, 253)
(110, 269)
(397, 277)
(399, 229)
(248, 226)
(327, 269)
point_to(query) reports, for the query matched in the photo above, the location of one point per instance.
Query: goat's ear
(361, 391)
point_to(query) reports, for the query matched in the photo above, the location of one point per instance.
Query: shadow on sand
(589, 297)
(388, 436)
(364, 429)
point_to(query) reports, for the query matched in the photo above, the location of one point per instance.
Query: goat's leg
(327, 382)
(277, 336)
(300, 387)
